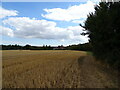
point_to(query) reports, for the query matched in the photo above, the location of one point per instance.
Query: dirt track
(54, 69)
(93, 75)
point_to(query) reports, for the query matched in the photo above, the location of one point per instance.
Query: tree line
(81, 47)
(26, 47)
(103, 29)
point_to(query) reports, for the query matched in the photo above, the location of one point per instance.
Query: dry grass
(39, 68)
(52, 69)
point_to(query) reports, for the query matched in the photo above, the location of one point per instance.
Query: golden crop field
(52, 69)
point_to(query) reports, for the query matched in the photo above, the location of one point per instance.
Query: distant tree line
(103, 28)
(81, 47)
(26, 47)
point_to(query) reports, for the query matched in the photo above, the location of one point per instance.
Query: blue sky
(44, 23)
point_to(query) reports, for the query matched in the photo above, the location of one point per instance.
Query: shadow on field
(84, 59)
(80, 60)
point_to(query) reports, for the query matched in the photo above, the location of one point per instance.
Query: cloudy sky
(44, 23)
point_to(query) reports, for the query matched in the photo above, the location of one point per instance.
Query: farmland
(54, 69)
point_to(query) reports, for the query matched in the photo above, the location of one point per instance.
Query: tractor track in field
(95, 75)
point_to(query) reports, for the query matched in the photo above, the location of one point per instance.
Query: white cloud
(6, 31)
(25, 27)
(4, 12)
(78, 21)
(13, 42)
(72, 13)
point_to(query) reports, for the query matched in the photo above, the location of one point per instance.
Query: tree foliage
(26, 47)
(103, 28)
(80, 47)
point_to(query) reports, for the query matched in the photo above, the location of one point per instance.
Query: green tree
(103, 28)
(27, 47)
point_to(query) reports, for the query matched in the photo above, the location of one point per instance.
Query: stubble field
(53, 69)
